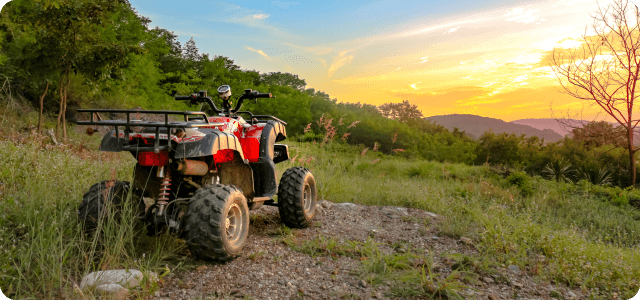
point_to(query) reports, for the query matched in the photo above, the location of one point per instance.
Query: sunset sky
(474, 57)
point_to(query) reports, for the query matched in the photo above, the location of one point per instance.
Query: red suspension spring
(165, 189)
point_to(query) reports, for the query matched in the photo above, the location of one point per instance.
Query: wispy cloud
(259, 52)
(260, 16)
(439, 27)
(522, 15)
(424, 59)
(339, 61)
(452, 30)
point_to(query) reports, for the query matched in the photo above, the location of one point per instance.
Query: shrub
(522, 181)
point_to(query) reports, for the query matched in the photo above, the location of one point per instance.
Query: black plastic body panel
(213, 141)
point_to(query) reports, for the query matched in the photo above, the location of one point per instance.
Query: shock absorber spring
(165, 190)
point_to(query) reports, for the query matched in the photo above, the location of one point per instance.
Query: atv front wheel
(297, 197)
(217, 223)
(109, 192)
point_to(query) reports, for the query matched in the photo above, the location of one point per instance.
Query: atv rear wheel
(217, 223)
(297, 197)
(95, 201)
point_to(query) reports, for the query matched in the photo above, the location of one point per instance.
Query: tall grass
(559, 231)
(43, 249)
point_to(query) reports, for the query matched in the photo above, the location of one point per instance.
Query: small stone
(319, 208)
(347, 205)
(325, 204)
(466, 240)
(430, 214)
(571, 295)
(493, 296)
(281, 282)
(201, 268)
(126, 278)
(434, 237)
(488, 279)
(517, 284)
(362, 283)
(437, 268)
(403, 210)
(401, 250)
(335, 272)
(379, 295)
(514, 268)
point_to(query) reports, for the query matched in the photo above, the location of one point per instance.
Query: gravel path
(270, 269)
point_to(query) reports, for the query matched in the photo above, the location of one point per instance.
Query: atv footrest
(270, 203)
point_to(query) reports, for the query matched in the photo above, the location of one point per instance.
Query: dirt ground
(270, 269)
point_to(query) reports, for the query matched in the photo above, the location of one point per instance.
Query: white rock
(325, 204)
(430, 214)
(110, 287)
(347, 205)
(403, 210)
(126, 278)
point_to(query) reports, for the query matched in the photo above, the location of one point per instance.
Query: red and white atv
(203, 174)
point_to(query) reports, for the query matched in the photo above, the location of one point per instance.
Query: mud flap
(265, 169)
(265, 172)
(238, 174)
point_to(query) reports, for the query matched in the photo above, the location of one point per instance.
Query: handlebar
(226, 105)
(184, 97)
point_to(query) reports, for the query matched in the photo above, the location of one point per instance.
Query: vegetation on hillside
(579, 228)
(582, 235)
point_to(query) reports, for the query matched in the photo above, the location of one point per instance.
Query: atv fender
(264, 170)
(110, 143)
(213, 141)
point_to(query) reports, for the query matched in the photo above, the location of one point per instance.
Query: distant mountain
(475, 126)
(542, 124)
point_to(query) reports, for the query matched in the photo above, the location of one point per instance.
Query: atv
(197, 178)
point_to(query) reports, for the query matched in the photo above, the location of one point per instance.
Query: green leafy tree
(404, 112)
(283, 79)
(597, 134)
(72, 36)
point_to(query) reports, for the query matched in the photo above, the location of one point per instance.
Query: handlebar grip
(264, 95)
(183, 97)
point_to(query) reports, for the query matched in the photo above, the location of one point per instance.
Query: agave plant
(558, 170)
(598, 175)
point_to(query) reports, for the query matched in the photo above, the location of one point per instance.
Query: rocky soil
(271, 269)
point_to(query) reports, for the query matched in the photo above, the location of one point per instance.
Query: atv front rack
(128, 123)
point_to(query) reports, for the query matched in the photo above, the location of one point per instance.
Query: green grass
(558, 231)
(586, 241)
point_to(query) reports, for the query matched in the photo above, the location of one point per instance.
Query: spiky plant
(558, 170)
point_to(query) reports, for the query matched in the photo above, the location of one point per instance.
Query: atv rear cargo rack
(128, 123)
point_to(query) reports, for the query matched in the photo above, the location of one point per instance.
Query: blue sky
(479, 57)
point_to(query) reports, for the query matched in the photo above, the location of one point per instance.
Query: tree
(190, 51)
(404, 112)
(284, 79)
(61, 38)
(596, 134)
(605, 69)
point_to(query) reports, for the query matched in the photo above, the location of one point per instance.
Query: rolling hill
(475, 126)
